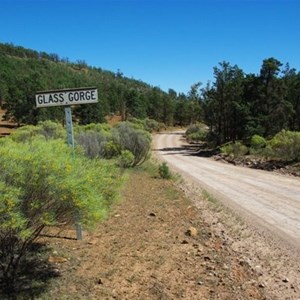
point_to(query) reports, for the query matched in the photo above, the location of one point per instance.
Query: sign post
(69, 126)
(68, 97)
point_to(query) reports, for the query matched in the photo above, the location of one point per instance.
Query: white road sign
(66, 97)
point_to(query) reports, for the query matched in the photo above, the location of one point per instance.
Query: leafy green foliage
(137, 141)
(126, 159)
(164, 171)
(196, 133)
(285, 145)
(258, 142)
(147, 124)
(48, 129)
(42, 184)
(235, 149)
(123, 139)
(94, 143)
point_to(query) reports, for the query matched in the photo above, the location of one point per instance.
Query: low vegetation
(283, 146)
(164, 171)
(44, 183)
(196, 132)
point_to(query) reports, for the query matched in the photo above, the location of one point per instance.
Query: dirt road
(270, 200)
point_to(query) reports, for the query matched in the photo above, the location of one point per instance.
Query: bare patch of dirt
(6, 127)
(155, 245)
(113, 119)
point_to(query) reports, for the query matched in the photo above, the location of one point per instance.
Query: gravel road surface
(271, 201)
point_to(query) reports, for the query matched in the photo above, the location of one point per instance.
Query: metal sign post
(68, 97)
(70, 140)
(69, 126)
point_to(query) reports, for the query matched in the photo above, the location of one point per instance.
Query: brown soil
(6, 127)
(155, 245)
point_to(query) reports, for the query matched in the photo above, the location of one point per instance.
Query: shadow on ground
(33, 277)
(201, 150)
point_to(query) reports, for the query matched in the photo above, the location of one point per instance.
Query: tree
(194, 103)
(292, 85)
(224, 103)
(273, 108)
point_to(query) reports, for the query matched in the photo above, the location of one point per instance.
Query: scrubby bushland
(125, 137)
(235, 149)
(43, 184)
(152, 125)
(164, 171)
(137, 141)
(94, 138)
(125, 159)
(285, 145)
(196, 133)
(97, 140)
(258, 142)
(147, 124)
(48, 129)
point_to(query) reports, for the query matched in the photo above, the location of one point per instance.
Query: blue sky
(166, 43)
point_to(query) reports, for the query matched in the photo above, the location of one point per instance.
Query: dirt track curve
(271, 201)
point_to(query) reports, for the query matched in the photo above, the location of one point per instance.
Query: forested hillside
(23, 72)
(235, 105)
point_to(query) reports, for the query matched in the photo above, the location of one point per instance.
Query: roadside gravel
(261, 210)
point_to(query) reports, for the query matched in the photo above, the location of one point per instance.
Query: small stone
(92, 242)
(200, 282)
(262, 285)
(99, 281)
(152, 214)
(285, 280)
(184, 242)
(192, 231)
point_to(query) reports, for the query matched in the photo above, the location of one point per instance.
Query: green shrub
(111, 149)
(286, 145)
(126, 159)
(52, 130)
(164, 171)
(42, 184)
(25, 133)
(151, 125)
(258, 142)
(147, 124)
(48, 129)
(235, 149)
(196, 133)
(95, 127)
(137, 141)
(93, 143)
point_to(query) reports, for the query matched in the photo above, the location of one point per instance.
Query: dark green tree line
(235, 105)
(238, 105)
